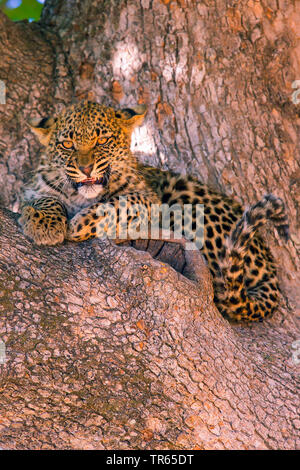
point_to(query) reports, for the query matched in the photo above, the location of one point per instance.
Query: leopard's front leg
(44, 221)
(118, 219)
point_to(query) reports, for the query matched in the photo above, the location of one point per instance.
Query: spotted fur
(88, 162)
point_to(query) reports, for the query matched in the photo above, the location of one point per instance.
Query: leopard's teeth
(88, 182)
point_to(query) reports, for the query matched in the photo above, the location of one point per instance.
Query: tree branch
(108, 348)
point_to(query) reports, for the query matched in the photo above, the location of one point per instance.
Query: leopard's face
(83, 143)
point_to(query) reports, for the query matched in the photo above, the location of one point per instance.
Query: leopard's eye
(67, 144)
(102, 140)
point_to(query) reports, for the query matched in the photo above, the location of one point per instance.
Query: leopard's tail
(232, 295)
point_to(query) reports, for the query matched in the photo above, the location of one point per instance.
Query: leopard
(87, 164)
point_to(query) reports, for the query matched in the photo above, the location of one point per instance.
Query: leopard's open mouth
(89, 182)
(93, 183)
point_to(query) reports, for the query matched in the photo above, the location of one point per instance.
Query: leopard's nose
(87, 170)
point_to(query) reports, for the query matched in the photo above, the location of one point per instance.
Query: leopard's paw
(84, 225)
(78, 230)
(43, 229)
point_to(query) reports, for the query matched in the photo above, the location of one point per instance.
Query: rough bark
(106, 347)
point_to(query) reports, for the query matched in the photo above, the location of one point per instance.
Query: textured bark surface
(106, 347)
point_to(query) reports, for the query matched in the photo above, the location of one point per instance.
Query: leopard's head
(85, 141)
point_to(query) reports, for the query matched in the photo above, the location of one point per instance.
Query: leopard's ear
(130, 118)
(42, 128)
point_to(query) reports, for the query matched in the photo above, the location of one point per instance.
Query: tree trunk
(106, 347)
